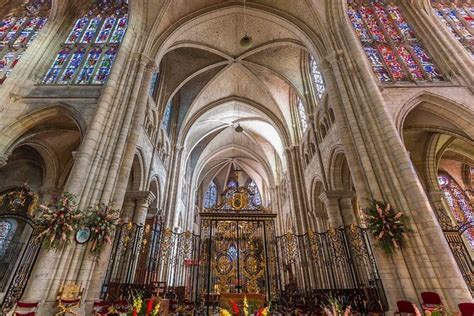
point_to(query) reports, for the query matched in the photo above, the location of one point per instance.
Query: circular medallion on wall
(83, 235)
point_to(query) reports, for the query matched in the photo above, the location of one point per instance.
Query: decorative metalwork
(20, 205)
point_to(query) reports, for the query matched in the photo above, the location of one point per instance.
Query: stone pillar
(347, 210)
(298, 192)
(368, 132)
(331, 202)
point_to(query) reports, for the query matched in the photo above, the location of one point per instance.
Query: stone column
(368, 134)
(331, 202)
(142, 200)
(298, 192)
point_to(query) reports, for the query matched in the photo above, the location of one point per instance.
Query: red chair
(431, 302)
(101, 308)
(405, 307)
(467, 309)
(26, 308)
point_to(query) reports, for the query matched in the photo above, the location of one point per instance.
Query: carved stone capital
(143, 198)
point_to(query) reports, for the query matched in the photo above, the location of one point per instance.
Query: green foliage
(58, 221)
(388, 226)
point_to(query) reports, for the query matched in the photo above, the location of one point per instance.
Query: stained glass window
(6, 232)
(459, 20)
(317, 77)
(256, 197)
(167, 117)
(459, 204)
(153, 84)
(210, 199)
(90, 49)
(302, 114)
(390, 43)
(18, 30)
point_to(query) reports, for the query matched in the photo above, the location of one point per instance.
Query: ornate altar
(237, 249)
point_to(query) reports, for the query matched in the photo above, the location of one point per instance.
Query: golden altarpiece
(237, 252)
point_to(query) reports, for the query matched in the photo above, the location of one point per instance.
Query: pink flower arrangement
(387, 226)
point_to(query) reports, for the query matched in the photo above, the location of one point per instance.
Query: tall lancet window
(6, 232)
(210, 198)
(458, 17)
(302, 115)
(89, 52)
(167, 118)
(390, 43)
(459, 204)
(317, 77)
(18, 29)
(256, 197)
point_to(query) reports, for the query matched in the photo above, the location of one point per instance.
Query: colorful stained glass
(89, 66)
(392, 47)
(391, 61)
(72, 67)
(106, 30)
(105, 67)
(377, 63)
(93, 42)
(53, 73)
(77, 30)
(255, 193)
(459, 204)
(120, 30)
(459, 20)
(17, 33)
(91, 30)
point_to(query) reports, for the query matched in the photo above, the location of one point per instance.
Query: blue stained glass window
(256, 197)
(119, 32)
(77, 30)
(72, 67)
(458, 202)
(153, 84)
(232, 184)
(91, 30)
(390, 43)
(210, 198)
(105, 66)
(17, 32)
(89, 66)
(167, 117)
(93, 44)
(106, 30)
(459, 20)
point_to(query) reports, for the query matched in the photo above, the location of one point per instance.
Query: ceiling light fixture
(245, 41)
(239, 129)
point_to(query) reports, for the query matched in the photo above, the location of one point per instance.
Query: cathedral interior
(236, 157)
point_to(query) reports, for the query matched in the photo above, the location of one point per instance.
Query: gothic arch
(136, 180)
(17, 131)
(457, 114)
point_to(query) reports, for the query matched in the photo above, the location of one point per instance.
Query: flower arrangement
(137, 303)
(246, 309)
(387, 226)
(101, 220)
(150, 308)
(59, 220)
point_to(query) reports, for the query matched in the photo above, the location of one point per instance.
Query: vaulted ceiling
(215, 84)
